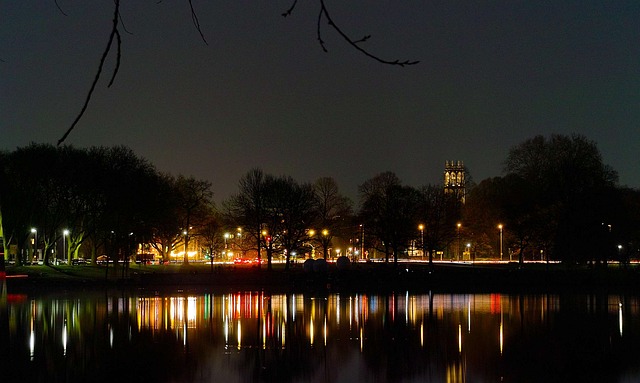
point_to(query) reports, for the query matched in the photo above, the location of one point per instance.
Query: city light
(501, 255)
(65, 233)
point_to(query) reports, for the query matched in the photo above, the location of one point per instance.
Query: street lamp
(185, 259)
(458, 247)
(65, 232)
(421, 228)
(500, 228)
(35, 242)
(620, 253)
(325, 243)
(362, 241)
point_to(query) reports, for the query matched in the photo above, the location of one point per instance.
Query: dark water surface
(253, 336)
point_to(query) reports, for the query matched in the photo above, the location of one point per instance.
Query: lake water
(252, 336)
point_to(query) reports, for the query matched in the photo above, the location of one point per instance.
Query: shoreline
(359, 278)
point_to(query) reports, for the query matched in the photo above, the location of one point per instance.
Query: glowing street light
(500, 228)
(458, 225)
(186, 243)
(620, 253)
(65, 232)
(421, 228)
(35, 241)
(325, 243)
(362, 241)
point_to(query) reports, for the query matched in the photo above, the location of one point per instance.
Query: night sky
(263, 93)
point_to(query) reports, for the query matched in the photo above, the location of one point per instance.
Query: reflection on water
(253, 336)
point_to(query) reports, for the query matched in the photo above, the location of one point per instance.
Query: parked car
(78, 261)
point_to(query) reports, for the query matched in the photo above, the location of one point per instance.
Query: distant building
(454, 179)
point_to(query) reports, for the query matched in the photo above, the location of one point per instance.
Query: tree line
(556, 200)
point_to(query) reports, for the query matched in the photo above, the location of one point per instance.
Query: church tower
(454, 180)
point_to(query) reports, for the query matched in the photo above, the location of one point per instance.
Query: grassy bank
(445, 277)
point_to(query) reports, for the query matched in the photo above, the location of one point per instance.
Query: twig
(196, 22)
(320, 41)
(124, 27)
(288, 11)
(354, 43)
(115, 70)
(114, 33)
(59, 8)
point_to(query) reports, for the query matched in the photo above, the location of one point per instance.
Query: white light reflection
(459, 338)
(110, 337)
(64, 338)
(184, 334)
(422, 334)
(469, 316)
(192, 310)
(32, 343)
(620, 316)
(406, 307)
(226, 331)
(32, 335)
(293, 307)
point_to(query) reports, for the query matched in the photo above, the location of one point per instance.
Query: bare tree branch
(290, 10)
(354, 43)
(196, 22)
(60, 9)
(115, 70)
(363, 39)
(114, 33)
(124, 27)
(319, 32)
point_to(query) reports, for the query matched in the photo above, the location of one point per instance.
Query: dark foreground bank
(414, 277)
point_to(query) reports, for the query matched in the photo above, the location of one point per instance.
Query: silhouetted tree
(295, 205)
(389, 210)
(167, 227)
(569, 179)
(246, 209)
(210, 232)
(438, 212)
(195, 199)
(333, 213)
(482, 213)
